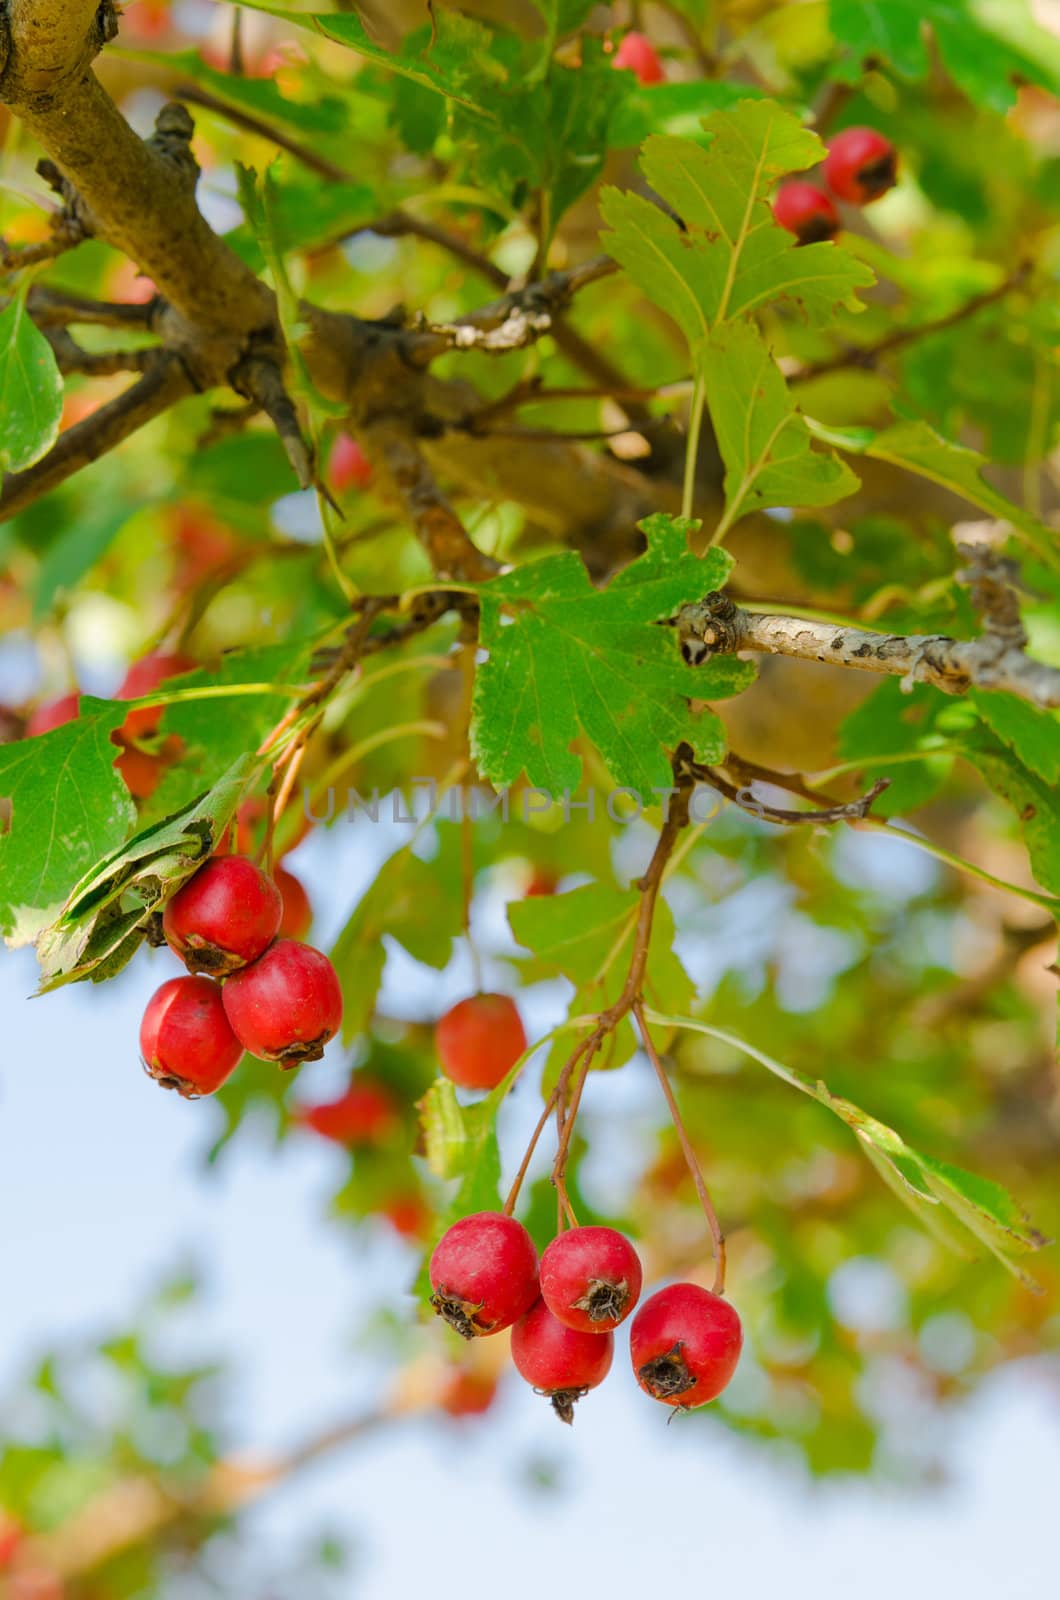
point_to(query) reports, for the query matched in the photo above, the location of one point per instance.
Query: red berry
(185, 1038)
(141, 772)
(638, 53)
(467, 1394)
(558, 1361)
(286, 1005)
(297, 917)
(685, 1343)
(143, 678)
(365, 1114)
(53, 714)
(590, 1278)
(860, 165)
(479, 1039)
(223, 917)
(408, 1214)
(484, 1274)
(806, 211)
(349, 467)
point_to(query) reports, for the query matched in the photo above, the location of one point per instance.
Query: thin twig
(685, 1142)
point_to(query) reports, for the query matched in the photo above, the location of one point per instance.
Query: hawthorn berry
(478, 1039)
(590, 1278)
(861, 164)
(348, 467)
(483, 1274)
(560, 1362)
(806, 211)
(53, 714)
(286, 1005)
(297, 916)
(467, 1394)
(141, 772)
(408, 1214)
(143, 678)
(685, 1343)
(639, 55)
(185, 1038)
(225, 916)
(364, 1115)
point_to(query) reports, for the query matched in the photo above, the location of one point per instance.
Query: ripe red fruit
(558, 1361)
(685, 1343)
(143, 678)
(53, 714)
(365, 1114)
(467, 1394)
(409, 1215)
(223, 917)
(185, 1037)
(286, 1005)
(638, 53)
(478, 1039)
(349, 467)
(806, 211)
(297, 916)
(141, 772)
(860, 165)
(590, 1278)
(484, 1274)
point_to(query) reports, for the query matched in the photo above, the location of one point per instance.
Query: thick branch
(439, 529)
(996, 660)
(158, 389)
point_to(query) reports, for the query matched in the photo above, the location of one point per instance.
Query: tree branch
(512, 322)
(996, 660)
(161, 386)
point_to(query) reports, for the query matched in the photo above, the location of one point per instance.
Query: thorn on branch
(260, 381)
(174, 131)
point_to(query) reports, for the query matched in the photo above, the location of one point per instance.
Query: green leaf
(31, 389)
(730, 257)
(764, 441)
(984, 1208)
(1031, 734)
(68, 807)
(675, 108)
(564, 656)
(919, 449)
(988, 47)
(83, 541)
(1035, 802)
(105, 916)
(456, 54)
(413, 901)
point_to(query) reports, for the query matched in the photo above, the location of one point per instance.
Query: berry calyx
(478, 1039)
(348, 467)
(483, 1274)
(806, 211)
(590, 1278)
(286, 1005)
(860, 165)
(638, 54)
(185, 1038)
(225, 916)
(364, 1115)
(558, 1361)
(297, 916)
(53, 714)
(143, 678)
(685, 1343)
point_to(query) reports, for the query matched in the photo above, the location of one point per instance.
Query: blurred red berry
(366, 1114)
(861, 165)
(638, 54)
(348, 467)
(806, 211)
(53, 714)
(143, 678)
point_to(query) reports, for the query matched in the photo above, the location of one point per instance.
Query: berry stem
(686, 1147)
(550, 1105)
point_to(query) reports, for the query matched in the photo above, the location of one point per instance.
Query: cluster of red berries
(861, 165)
(485, 1277)
(144, 757)
(250, 990)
